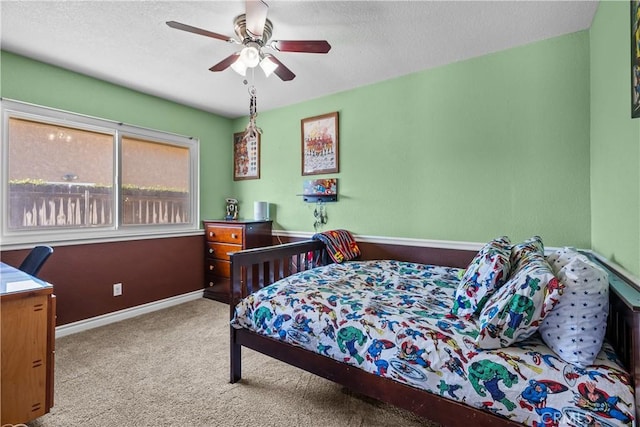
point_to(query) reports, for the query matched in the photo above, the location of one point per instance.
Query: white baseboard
(402, 241)
(127, 313)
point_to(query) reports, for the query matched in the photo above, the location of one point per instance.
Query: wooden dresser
(27, 340)
(223, 237)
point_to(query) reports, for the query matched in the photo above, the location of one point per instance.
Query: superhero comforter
(389, 318)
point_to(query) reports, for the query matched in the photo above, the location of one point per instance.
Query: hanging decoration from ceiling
(252, 130)
(253, 31)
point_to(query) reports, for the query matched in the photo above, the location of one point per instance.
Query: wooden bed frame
(255, 268)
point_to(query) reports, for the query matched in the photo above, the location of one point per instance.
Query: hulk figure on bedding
(461, 301)
(261, 316)
(347, 339)
(485, 375)
(520, 305)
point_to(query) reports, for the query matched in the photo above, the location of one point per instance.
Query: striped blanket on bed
(340, 244)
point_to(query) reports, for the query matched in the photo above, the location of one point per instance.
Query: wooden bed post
(235, 349)
(235, 358)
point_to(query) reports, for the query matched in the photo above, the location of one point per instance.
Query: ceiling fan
(253, 30)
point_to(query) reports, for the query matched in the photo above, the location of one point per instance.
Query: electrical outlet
(117, 289)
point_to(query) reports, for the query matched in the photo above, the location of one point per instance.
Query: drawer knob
(211, 234)
(210, 250)
(210, 283)
(234, 236)
(210, 267)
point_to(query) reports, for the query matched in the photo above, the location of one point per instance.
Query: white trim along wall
(94, 322)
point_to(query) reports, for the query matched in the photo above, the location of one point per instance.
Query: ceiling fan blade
(256, 16)
(225, 63)
(196, 30)
(283, 72)
(308, 46)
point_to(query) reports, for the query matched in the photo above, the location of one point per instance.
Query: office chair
(35, 260)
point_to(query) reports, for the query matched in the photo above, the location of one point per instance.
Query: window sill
(61, 241)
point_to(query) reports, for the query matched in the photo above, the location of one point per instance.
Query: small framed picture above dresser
(246, 156)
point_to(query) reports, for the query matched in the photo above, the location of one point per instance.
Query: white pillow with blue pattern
(561, 257)
(487, 272)
(576, 327)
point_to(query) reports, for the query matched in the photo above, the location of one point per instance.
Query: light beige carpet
(171, 368)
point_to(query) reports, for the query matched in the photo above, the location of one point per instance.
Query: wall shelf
(314, 198)
(320, 190)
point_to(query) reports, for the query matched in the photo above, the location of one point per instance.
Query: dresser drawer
(221, 250)
(230, 234)
(218, 267)
(221, 238)
(210, 280)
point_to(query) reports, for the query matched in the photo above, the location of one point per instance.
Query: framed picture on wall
(246, 157)
(320, 144)
(635, 58)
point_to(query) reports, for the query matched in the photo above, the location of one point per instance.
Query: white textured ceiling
(128, 42)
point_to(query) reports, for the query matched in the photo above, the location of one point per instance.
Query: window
(58, 176)
(155, 182)
(69, 177)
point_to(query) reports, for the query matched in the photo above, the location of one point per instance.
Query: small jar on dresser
(223, 237)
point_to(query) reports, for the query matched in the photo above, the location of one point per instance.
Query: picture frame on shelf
(246, 157)
(320, 139)
(634, 6)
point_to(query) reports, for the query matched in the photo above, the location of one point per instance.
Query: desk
(27, 341)
(13, 280)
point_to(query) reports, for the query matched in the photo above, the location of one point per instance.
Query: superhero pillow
(576, 327)
(487, 272)
(521, 252)
(515, 311)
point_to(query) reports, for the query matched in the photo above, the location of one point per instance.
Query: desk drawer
(230, 234)
(218, 267)
(221, 250)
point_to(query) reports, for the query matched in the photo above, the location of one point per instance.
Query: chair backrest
(35, 260)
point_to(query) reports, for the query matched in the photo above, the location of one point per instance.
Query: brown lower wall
(424, 255)
(149, 270)
(435, 256)
(155, 269)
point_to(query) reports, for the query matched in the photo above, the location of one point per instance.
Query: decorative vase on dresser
(223, 237)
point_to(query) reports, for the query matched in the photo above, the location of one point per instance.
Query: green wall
(532, 140)
(615, 140)
(494, 145)
(31, 81)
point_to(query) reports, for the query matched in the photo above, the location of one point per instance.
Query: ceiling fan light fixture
(253, 30)
(239, 67)
(250, 55)
(267, 65)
